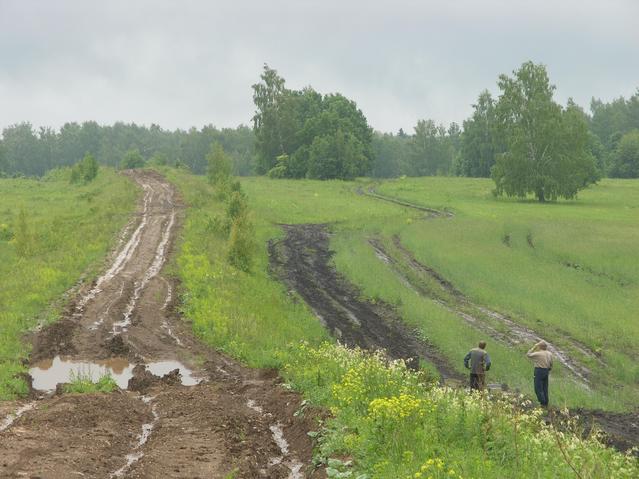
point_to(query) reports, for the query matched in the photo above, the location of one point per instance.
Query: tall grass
(246, 314)
(57, 232)
(392, 423)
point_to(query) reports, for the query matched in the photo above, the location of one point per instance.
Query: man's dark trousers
(541, 385)
(477, 381)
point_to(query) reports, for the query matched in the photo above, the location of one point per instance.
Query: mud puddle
(48, 373)
(302, 259)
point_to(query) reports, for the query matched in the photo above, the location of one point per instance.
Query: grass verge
(51, 234)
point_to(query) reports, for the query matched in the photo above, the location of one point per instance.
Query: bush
(23, 238)
(241, 243)
(132, 159)
(219, 165)
(6, 234)
(85, 170)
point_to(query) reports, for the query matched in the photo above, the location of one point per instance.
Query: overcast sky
(191, 63)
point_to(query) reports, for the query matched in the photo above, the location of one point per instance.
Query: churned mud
(302, 259)
(182, 410)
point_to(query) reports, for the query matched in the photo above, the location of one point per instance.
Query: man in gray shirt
(542, 359)
(478, 361)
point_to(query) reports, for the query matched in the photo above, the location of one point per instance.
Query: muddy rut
(234, 422)
(302, 259)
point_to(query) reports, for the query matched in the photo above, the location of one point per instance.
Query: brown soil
(225, 424)
(303, 260)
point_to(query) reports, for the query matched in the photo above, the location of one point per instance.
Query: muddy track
(431, 212)
(302, 259)
(496, 325)
(235, 420)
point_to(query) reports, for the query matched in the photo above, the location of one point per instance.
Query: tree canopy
(302, 133)
(30, 152)
(547, 147)
(625, 162)
(480, 142)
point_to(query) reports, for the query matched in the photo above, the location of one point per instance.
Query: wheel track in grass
(508, 332)
(157, 427)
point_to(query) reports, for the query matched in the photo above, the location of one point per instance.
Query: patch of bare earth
(302, 259)
(236, 420)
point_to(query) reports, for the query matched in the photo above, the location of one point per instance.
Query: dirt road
(235, 422)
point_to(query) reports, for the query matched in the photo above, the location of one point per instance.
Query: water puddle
(46, 374)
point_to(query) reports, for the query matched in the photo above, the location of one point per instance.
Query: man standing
(542, 359)
(479, 363)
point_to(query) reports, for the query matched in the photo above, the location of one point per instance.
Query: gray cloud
(188, 63)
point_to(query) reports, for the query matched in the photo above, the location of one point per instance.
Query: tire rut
(510, 332)
(302, 260)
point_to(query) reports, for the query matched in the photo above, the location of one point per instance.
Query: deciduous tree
(546, 147)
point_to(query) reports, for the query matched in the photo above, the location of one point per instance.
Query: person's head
(482, 344)
(543, 345)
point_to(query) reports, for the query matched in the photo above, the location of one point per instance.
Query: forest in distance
(281, 140)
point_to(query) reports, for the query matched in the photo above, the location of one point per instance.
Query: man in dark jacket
(478, 361)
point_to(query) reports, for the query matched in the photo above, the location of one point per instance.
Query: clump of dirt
(54, 340)
(302, 259)
(142, 379)
(117, 347)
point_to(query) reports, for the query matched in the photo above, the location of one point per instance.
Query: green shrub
(132, 159)
(241, 243)
(85, 170)
(6, 233)
(23, 238)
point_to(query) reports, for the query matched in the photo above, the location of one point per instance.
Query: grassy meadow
(51, 233)
(388, 422)
(591, 301)
(562, 269)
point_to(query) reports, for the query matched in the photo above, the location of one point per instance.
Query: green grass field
(593, 302)
(387, 420)
(51, 233)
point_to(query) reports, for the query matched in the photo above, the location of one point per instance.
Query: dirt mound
(116, 346)
(54, 340)
(303, 260)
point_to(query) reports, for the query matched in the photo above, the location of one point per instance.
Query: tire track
(302, 260)
(511, 332)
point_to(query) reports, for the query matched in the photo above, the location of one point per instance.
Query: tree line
(30, 152)
(307, 134)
